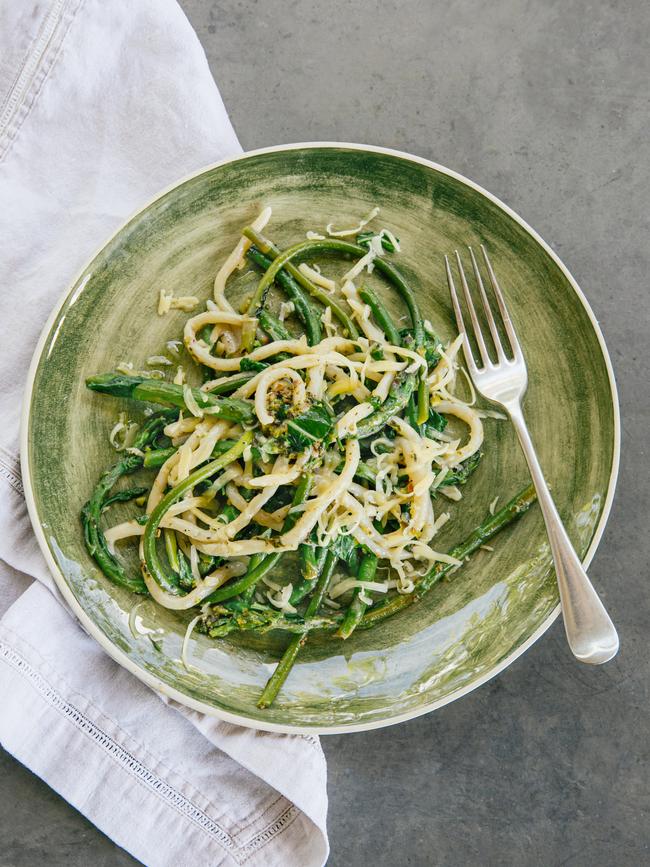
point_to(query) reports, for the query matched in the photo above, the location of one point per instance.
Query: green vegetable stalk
(285, 665)
(312, 560)
(357, 607)
(398, 397)
(101, 498)
(262, 619)
(306, 313)
(381, 315)
(169, 394)
(269, 248)
(152, 564)
(274, 328)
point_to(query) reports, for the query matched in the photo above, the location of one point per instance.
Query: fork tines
(487, 309)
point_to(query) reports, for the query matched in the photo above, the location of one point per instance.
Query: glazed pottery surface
(471, 625)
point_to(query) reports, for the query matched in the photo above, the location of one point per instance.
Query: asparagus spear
(167, 393)
(381, 315)
(423, 398)
(231, 383)
(242, 602)
(357, 607)
(91, 513)
(155, 458)
(94, 539)
(312, 560)
(273, 327)
(185, 577)
(152, 564)
(304, 309)
(460, 475)
(285, 665)
(171, 550)
(263, 620)
(269, 248)
(399, 395)
(124, 496)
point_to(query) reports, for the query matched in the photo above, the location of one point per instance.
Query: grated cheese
(366, 262)
(344, 233)
(281, 599)
(123, 433)
(351, 583)
(190, 402)
(286, 309)
(168, 301)
(313, 273)
(186, 643)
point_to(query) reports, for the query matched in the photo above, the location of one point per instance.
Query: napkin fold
(101, 105)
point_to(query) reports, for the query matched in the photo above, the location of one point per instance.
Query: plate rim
(156, 683)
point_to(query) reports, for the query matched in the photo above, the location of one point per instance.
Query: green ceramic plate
(470, 627)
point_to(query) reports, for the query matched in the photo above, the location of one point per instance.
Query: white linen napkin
(101, 105)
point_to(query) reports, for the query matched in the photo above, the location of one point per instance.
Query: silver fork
(591, 634)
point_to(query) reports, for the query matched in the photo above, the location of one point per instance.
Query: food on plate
(342, 442)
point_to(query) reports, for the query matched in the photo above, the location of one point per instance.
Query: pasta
(333, 444)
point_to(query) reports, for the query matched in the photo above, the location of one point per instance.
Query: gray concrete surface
(546, 105)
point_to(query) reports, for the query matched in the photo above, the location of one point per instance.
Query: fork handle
(590, 632)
